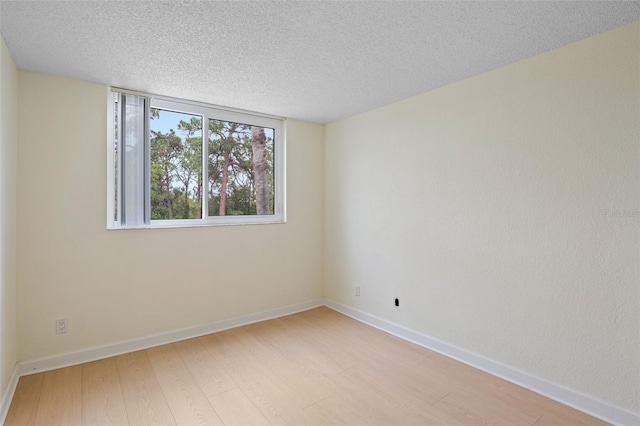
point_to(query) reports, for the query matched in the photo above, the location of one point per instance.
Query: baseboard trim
(125, 346)
(7, 396)
(575, 399)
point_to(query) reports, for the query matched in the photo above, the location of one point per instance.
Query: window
(179, 163)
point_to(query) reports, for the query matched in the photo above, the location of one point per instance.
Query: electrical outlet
(61, 326)
(357, 290)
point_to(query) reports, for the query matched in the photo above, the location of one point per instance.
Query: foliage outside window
(175, 163)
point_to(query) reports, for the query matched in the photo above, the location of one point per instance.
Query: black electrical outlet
(397, 302)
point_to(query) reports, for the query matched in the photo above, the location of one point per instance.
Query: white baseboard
(7, 396)
(578, 400)
(118, 348)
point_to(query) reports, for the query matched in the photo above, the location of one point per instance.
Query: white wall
(486, 207)
(114, 285)
(8, 218)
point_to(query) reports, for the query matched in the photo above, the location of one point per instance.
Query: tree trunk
(258, 145)
(223, 185)
(169, 203)
(199, 196)
(186, 200)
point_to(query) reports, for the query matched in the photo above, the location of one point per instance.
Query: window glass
(240, 167)
(175, 172)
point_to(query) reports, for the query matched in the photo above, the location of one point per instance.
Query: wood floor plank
(144, 401)
(357, 339)
(275, 404)
(102, 400)
(230, 343)
(235, 409)
(414, 389)
(347, 408)
(556, 414)
(340, 410)
(302, 387)
(325, 341)
(208, 373)
(227, 349)
(24, 405)
(472, 411)
(188, 403)
(476, 384)
(284, 338)
(60, 398)
(361, 335)
(382, 403)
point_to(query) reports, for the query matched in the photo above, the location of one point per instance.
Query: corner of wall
(8, 221)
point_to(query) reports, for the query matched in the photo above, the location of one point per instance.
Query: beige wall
(503, 212)
(8, 209)
(114, 285)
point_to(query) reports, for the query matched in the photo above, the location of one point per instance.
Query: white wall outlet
(357, 290)
(61, 326)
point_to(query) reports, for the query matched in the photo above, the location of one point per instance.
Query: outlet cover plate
(61, 326)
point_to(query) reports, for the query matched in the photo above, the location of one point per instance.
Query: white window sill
(195, 223)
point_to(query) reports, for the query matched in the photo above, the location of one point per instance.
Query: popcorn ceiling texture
(315, 61)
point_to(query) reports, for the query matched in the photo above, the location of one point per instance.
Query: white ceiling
(316, 60)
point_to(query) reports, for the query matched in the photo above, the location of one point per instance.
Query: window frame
(207, 111)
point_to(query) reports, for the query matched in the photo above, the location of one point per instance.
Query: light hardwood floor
(315, 367)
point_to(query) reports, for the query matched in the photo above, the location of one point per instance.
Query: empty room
(319, 212)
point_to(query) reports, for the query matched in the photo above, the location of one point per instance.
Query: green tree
(189, 170)
(166, 149)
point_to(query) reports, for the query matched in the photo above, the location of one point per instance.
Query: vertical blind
(134, 173)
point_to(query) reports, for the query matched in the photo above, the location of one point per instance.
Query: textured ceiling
(316, 61)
